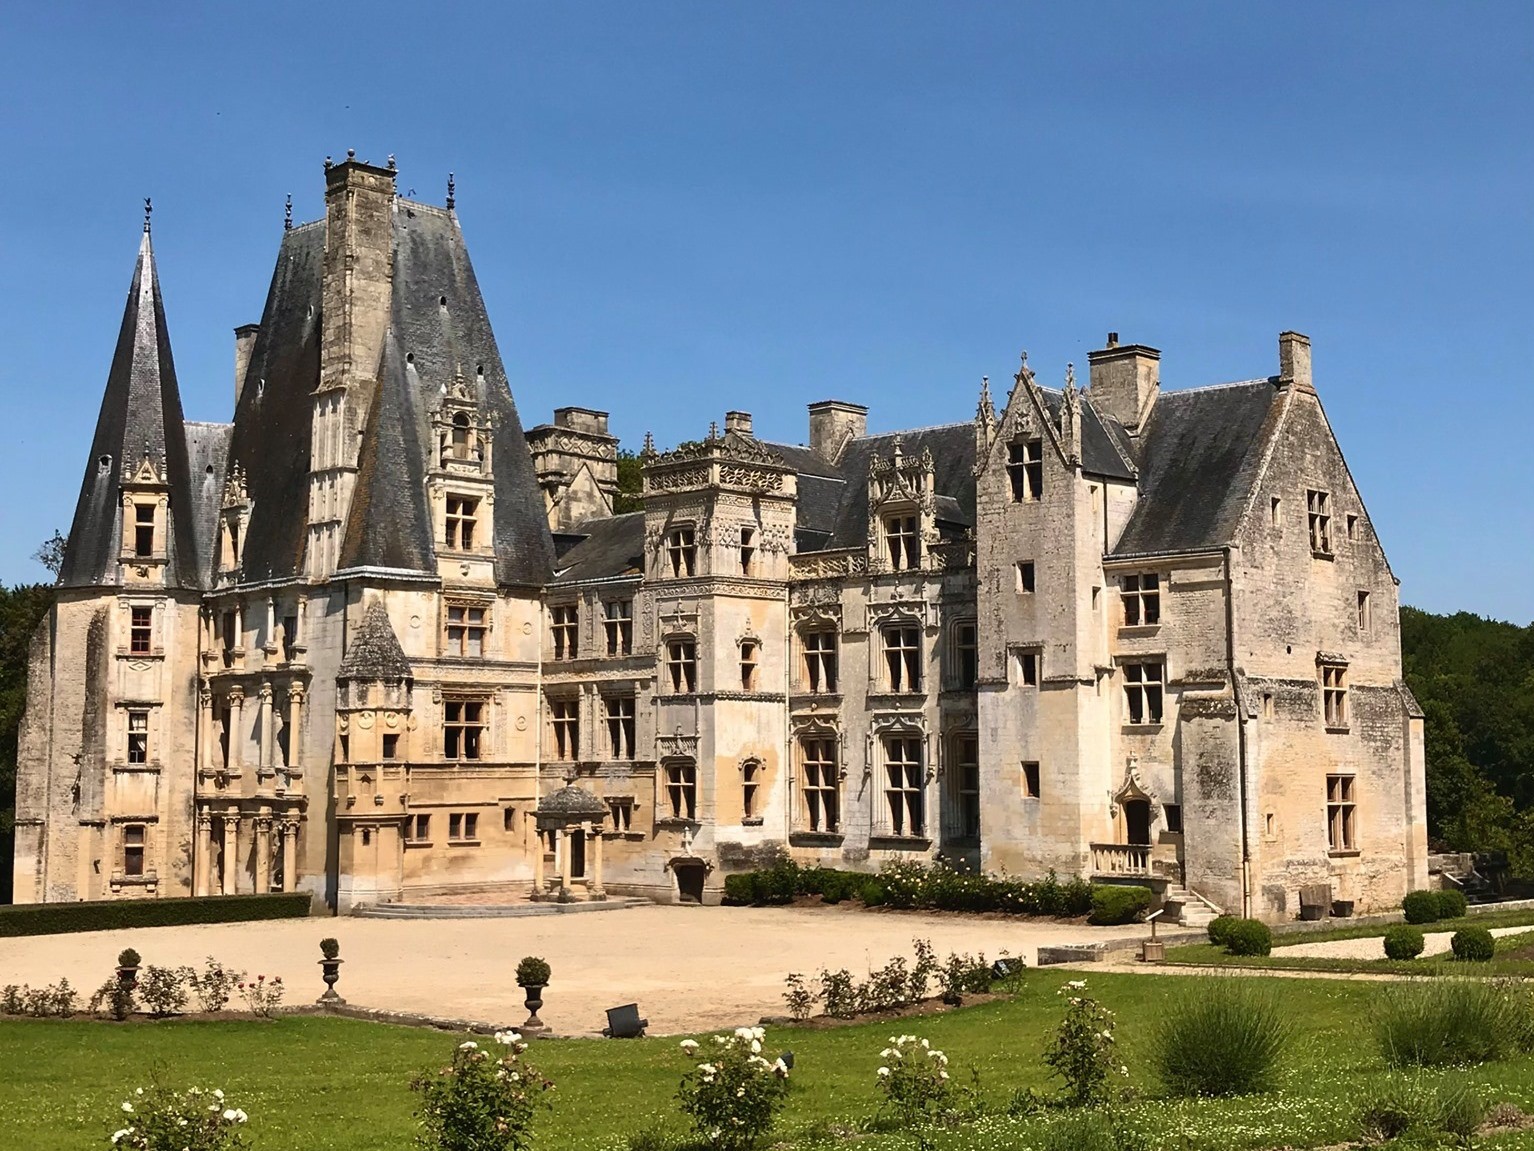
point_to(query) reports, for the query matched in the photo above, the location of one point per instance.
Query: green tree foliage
(20, 610)
(630, 483)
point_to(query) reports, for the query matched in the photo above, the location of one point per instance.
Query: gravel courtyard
(689, 968)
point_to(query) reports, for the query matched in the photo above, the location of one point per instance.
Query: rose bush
(736, 1093)
(159, 1119)
(484, 1100)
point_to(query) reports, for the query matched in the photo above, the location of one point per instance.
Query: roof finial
(713, 430)
(1070, 377)
(392, 164)
(287, 214)
(450, 198)
(148, 208)
(649, 445)
(351, 154)
(328, 163)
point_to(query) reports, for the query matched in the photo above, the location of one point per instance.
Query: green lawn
(1507, 962)
(322, 1083)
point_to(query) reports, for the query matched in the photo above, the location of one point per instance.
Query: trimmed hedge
(1452, 903)
(1473, 945)
(109, 915)
(911, 886)
(1248, 937)
(1421, 907)
(1219, 928)
(1113, 903)
(1403, 942)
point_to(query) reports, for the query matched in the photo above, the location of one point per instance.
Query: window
(1334, 694)
(508, 818)
(966, 650)
(682, 665)
(1025, 577)
(1364, 613)
(619, 626)
(1317, 505)
(417, 828)
(747, 549)
(822, 807)
(1028, 668)
(391, 746)
(1352, 527)
(620, 811)
(903, 785)
(682, 552)
(1030, 779)
(682, 789)
(289, 637)
(1025, 467)
(138, 737)
(1267, 705)
(133, 849)
(566, 628)
(1341, 813)
(1141, 596)
(463, 826)
(620, 725)
(141, 630)
(1173, 813)
(966, 777)
(461, 515)
(902, 658)
(750, 780)
(460, 441)
(1097, 594)
(820, 661)
(748, 658)
(231, 633)
(465, 630)
(143, 531)
(1275, 511)
(567, 728)
(1142, 691)
(463, 726)
(903, 542)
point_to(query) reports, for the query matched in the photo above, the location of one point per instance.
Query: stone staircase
(1187, 908)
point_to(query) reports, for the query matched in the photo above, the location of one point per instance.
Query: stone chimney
(1294, 361)
(737, 422)
(576, 460)
(832, 424)
(1125, 380)
(359, 269)
(244, 341)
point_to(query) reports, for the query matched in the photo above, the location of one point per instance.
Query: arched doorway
(1137, 822)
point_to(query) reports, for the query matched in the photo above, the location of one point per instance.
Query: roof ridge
(913, 431)
(1216, 387)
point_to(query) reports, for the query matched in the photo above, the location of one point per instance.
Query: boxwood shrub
(1420, 907)
(911, 885)
(1452, 903)
(1218, 928)
(1403, 941)
(109, 915)
(1113, 903)
(1248, 937)
(1473, 945)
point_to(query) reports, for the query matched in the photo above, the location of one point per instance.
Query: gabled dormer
(461, 483)
(234, 519)
(902, 511)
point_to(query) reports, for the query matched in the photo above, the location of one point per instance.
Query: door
(1137, 822)
(577, 855)
(689, 882)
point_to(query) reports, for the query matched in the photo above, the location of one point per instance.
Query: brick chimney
(1125, 380)
(244, 342)
(1294, 361)
(832, 424)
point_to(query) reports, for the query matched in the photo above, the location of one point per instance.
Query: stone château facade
(376, 641)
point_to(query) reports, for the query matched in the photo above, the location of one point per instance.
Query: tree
(630, 483)
(51, 554)
(21, 609)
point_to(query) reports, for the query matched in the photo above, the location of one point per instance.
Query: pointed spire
(451, 201)
(287, 214)
(148, 210)
(985, 411)
(648, 451)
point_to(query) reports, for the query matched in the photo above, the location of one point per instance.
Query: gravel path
(1437, 942)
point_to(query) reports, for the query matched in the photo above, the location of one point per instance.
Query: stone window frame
(900, 663)
(819, 778)
(137, 743)
(900, 532)
(1032, 783)
(622, 727)
(753, 781)
(479, 727)
(750, 649)
(749, 548)
(681, 663)
(565, 727)
(1027, 664)
(819, 664)
(459, 648)
(1140, 596)
(1318, 515)
(463, 828)
(618, 625)
(1025, 469)
(461, 516)
(904, 811)
(677, 782)
(620, 815)
(141, 634)
(1025, 577)
(1342, 813)
(1144, 693)
(680, 558)
(1332, 683)
(565, 630)
(1365, 610)
(130, 850)
(963, 790)
(963, 670)
(417, 830)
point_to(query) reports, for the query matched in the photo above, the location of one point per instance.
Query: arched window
(461, 436)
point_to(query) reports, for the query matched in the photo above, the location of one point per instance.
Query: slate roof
(573, 801)
(140, 414)
(374, 652)
(1199, 452)
(207, 449)
(427, 344)
(953, 461)
(612, 546)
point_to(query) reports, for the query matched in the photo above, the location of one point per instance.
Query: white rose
(884, 1072)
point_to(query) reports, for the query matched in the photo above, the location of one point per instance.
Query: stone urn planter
(330, 971)
(127, 969)
(533, 976)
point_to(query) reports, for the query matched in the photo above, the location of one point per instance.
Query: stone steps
(1187, 909)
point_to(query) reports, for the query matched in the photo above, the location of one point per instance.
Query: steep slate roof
(140, 415)
(207, 449)
(1198, 457)
(374, 652)
(613, 546)
(428, 343)
(953, 461)
(273, 417)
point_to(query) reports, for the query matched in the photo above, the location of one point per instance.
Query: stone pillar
(203, 847)
(594, 837)
(206, 737)
(564, 858)
(268, 725)
(239, 631)
(295, 725)
(263, 854)
(269, 647)
(290, 855)
(226, 869)
(537, 862)
(236, 728)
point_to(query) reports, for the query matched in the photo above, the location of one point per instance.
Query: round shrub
(1248, 937)
(1420, 907)
(1219, 928)
(740, 888)
(1403, 942)
(1114, 904)
(1451, 904)
(1220, 1037)
(1473, 945)
(533, 972)
(873, 894)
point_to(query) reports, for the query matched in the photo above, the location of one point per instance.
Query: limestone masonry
(376, 641)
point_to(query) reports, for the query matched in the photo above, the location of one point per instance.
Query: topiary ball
(1452, 903)
(1420, 907)
(1218, 928)
(1473, 945)
(1248, 937)
(1403, 942)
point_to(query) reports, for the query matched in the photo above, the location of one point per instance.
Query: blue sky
(678, 208)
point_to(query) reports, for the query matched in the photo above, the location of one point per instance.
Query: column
(267, 725)
(295, 726)
(564, 858)
(236, 728)
(226, 867)
(269, 636)
(203, 847)
(289, 855)
(232, 861)
(537, 862)
(594, 837)
(263, 854)
(239, 631)
(206, 737)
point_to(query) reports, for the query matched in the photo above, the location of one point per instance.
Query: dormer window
(143, 529)
(1025, 468)
(462, 515)
(460, 436)
(682, 552)
(903, 542)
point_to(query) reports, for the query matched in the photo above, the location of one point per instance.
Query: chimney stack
(1294, 361)
(832, 424)
(1125, 380)
(244, 341)
(359, 259)
(737, 422)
